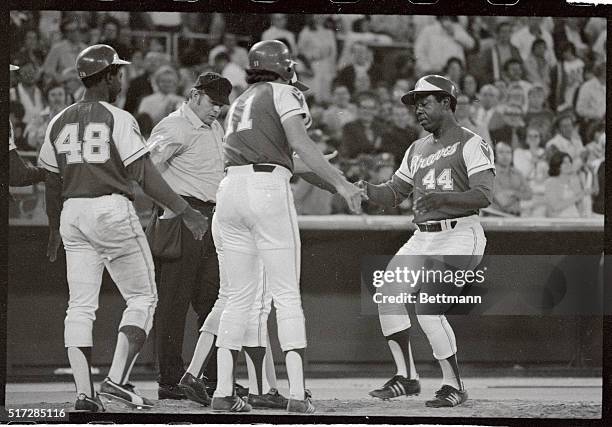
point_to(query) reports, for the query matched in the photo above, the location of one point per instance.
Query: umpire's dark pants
(191, 279)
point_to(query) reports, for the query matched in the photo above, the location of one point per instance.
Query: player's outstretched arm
(148, 177)
(313, 158)
(22, 174)
(53, 201)
(390, 193)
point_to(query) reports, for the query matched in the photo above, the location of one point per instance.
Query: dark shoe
(447, 397)
(239, 390)
(397, 386)
(170, 391)
(194, 389)
(230, 404)
(272, 400)
(85, 403)
(124, 394)
(301, 406)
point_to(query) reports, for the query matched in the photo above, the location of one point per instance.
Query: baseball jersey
(433, 166)
(12, 145)
(90, 144)
(254, 125)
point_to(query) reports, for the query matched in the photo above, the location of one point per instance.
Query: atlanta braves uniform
(90, 144)
(440, 165)
(256, 219)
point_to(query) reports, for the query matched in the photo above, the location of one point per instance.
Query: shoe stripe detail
(238, 405)
(401, 387)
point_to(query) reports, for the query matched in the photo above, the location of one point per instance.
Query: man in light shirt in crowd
(278, 30)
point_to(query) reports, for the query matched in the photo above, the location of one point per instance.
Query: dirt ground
(489, 397)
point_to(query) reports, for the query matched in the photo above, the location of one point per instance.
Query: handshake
(353, 194)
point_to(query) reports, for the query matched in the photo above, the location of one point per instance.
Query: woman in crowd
(165, 100)
(564, 193)
(530, 160)
(56, 100)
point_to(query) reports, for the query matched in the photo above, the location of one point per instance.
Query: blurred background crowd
(533, 87)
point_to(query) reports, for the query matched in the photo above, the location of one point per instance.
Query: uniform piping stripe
(407, 177)
(450, 341)
(475, 241)
(263, 303)
(293, 229)
(290, 111)
(141, 151)
(48, 166)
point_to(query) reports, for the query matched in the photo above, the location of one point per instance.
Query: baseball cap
(431, 84)
(217, 87)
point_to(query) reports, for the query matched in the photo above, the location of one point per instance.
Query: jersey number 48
(94, 147)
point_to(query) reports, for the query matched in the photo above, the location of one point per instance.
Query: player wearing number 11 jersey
(94, 153)
(450, 173)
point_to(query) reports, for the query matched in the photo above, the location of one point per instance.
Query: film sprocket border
(549, 8)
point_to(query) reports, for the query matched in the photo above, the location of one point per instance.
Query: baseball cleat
(301, 406)
(85, 403)
(447, 397)
(194, 389)
(241, 391)
(397, 386)
(124, 394)
(170, 391)
(272, 400)
(230, 404)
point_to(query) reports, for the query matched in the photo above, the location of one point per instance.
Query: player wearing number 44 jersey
(95, 156)
(451, 174)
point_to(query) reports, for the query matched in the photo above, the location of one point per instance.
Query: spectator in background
(597, 164)
(362, 74)
(516, 95)
(567, 139)
(27, 93)
(165, 100)
(73, 84)
(469, 87)
(111, 35)
(340, 112)
(538, 114)
(513, 69)
(599, 47)
(462, 113)
(567, 76)
(404, 69)
(488, 107)
(56, 100)
(364, 135)
(229, 45)
(399, 136)
(491, 61)
(503, 90)
(439, 42)
(318, 45)
(569, 30)
(530, 160)
(231, 71)
(563, 190)
(360, 33)
(16, 113)
(454, 70)
(537, 67)
(524, 37)
(63, 54)
(510, 186)
(591, 98)
(31, 51)
(137, 66)
(513, 129)
(278, 30)
(141, 86)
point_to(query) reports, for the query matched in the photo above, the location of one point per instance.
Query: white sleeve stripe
(291, 111)
(404, 177)
(135, 156)
(480, 169)
(48, 166)
(480, 165)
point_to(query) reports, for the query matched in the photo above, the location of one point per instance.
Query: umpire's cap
(274, 56)
(96, 59)
(217, 87)
(431, 84)
(13, 67)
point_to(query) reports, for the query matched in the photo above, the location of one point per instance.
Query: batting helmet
(274, 56)
(96, 59)
(13, 67)
(431, 84)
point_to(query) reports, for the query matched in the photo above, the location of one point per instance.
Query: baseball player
(94, 153)
(20, 173)
(256, 216)
(450, 173)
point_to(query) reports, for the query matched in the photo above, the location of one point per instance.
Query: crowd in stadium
(534, 88)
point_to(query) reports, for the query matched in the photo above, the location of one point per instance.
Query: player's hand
(364, 188)
(429, 202)
(195, 222)
(353, 196)
(55, 241)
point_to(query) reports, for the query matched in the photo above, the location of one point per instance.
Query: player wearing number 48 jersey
(95, 155)
(451, 174)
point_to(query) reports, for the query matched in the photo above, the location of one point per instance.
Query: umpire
(186, 148)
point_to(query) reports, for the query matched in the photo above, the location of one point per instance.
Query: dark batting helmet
(96, 59)
(431, 84)
(274, 56)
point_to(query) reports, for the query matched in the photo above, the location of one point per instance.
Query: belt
(264, 167)
(436, 226)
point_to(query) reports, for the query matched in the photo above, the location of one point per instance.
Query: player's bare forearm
(22, 174)
(315, 180)
(53, 199)
(148, 177)
(388, 194)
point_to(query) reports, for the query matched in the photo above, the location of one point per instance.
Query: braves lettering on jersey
(90, 144)
(432, 166)
(268, 105)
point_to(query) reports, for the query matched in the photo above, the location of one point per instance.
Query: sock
(202, 353)
(294, 359)
(255, 360)
(80, 362)
(399, 344)
(226, 363)
(450, 372)
(269, 368)
(129, 343)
